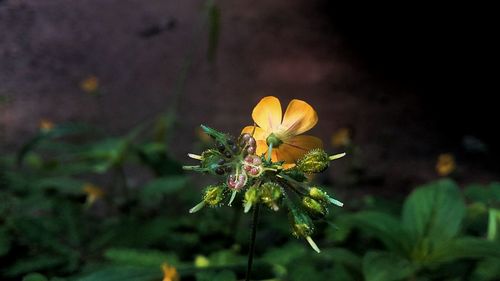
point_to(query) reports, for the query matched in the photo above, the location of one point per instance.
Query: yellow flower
(445, 164)
(284, 131)
(341, 138)
(169, 273)
(90, 84)
(46, 125)
(93, 193)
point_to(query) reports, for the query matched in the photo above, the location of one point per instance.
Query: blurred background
(100, 101)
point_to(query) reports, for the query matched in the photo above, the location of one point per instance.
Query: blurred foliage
(138, 220)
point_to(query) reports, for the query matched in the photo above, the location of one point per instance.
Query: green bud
(270, 193)
(252, 195)
(316, 209)
(302, 225)
(213, 195)
(210, 161)
(315, 161)
(320, 195)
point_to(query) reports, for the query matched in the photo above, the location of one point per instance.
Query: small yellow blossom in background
(341, 138)
(445, 164)
(90, 84)
(202, 136)
(93, 193)
(169, 273)
(201, 261)
(283, 131)
(46, 125)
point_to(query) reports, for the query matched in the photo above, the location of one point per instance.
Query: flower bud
(270, 193)
(237, 181)
(213, 195)
(315, 161)
(251, 198)
(210, 161)
(314, 208)
(320, 195)
(302, 225)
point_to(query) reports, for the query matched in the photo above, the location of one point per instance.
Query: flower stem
(269, 152)
(252, 241)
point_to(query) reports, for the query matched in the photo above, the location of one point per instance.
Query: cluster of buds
(264, 182)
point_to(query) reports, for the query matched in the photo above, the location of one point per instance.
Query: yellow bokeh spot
(169, 273)
(46, 125)
(445, 164)
(90, 84)
(201, 261)
(341, 138)
(93, 193)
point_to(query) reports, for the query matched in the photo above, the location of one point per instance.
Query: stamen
(233, 195)
(194, 156)
(313, 245)
(197, 207)
(335, 202)
(336, 156)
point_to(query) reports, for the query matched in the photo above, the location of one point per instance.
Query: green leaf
(4, 241)
(385, 266)
(487, 270)
(434, 211)
(155, 190)
(468, 247)
(124, 273)
(38, 263)
(141, 257)
(61, 184)
(35, 277)
(384, 227)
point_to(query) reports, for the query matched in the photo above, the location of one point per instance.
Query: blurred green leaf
(385, 266)
(35, 277)
(487, 270)
(158, 188)
(493, 224)
(4, 241)
(467, 247)
(140, 257)
(124, 273)
(224, 275)
(31, 264)
(62, 184)
(434, 211)
(384, 227)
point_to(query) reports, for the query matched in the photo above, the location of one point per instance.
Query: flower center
(274, 140)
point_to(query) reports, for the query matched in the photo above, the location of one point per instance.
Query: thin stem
(269, 152)
(252, 241)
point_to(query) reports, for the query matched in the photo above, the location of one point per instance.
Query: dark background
(411, 80)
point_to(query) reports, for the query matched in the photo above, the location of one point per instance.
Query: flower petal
(261, 148)
(258, 134)
(295, 147)
(299, 118)
(267, 113)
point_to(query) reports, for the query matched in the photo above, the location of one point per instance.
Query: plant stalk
(252, 241)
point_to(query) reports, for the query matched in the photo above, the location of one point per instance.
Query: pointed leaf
(434, 211)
